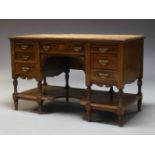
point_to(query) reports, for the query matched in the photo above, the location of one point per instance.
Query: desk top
(103, 37)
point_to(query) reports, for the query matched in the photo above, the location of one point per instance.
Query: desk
(107, 60)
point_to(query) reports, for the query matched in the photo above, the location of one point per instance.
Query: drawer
(62, 47)
(104, 49)
(25, 56)
(24, 46)
(103, 62)
(24, 69)
(104, 76)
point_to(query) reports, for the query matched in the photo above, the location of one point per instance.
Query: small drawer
(77, 48)
(25, 69)
(62, 47)
(104, 49)
(24, 46)
(103, 62)
(24, 56)
(52, 47)
(104, 75)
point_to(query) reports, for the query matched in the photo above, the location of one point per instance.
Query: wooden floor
(99, 99)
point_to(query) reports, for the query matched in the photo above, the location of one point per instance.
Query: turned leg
(67, 84)
(139, 103)
(15, 98)
(120, 108)
(44, 86)
(111, 90)
(39, 100)
(40, 106)
(45, 82)
(88, 106)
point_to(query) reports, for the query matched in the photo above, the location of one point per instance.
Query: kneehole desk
(107, 60)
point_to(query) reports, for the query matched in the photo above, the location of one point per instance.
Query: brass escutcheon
(25, 69)
(25, 57)
(103, 62)
(24, 47)
(103, 49)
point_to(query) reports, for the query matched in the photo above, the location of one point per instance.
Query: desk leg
(120, 106)
(88, 106)
(39, 100)
(15, 98)
(67, 84)
(44, 86)
(45, 82)
(111, 91)
(139, 104)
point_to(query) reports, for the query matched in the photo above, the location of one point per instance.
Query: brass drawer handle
(24, 47)
(77, 49)
(46, 47)
(103, 49)
(25, 69)
(103, 75)
(103, 62)
(25, 57)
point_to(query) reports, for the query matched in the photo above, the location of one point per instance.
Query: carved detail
(28, 76)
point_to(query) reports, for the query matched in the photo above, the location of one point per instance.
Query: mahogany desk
(107, 60)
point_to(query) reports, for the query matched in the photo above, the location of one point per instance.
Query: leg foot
(88, 105)
(120, 106)
(15, 84)
(16, 105)
(40, 108)
(45, 82)
(39, 100)
(111, 90)
(89, 115)
(67, 84)
(67, 99)
(139, 103)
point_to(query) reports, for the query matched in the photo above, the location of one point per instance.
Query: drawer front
(62, 47)
(106, 76)
(25, 56)
(104, 49)
(24, 46)
(25, 70)
(103, 62)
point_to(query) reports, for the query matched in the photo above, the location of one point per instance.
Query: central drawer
(55, 47)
